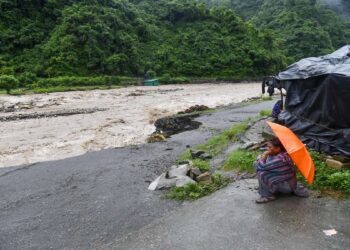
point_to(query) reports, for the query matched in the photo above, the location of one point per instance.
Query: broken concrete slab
(162, 183)
(178, 171)
(196, 171)
(176, 176)
(184, 180)
(204, 177)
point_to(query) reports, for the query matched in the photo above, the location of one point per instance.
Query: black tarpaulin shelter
(317, 106)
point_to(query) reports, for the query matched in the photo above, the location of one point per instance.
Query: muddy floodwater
(42, 127)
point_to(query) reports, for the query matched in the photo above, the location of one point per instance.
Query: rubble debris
(206, 177)
(199, 154)
(194, 173)
(179, 176)
(183, 180)
(156, 137)
(177, 171)
(171, 125)
(196, 108)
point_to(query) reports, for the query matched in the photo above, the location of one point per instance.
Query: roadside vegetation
(174, 40)
(57, 45)
(198, 190)
(23, 86)
(328, 181)
(334, 182)
(213, 147)
(217, 144)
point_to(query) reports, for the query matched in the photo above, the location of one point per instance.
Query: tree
(8, 82)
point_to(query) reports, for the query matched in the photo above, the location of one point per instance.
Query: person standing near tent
(276, 173)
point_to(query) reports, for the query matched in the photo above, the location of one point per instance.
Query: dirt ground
(42, 127)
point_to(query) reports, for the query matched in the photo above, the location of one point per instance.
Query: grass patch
(203, 165)
(184, 156)
(213, 146)
(334, 182)
(241, 160)
(198, 190)
(217, 144)
(266, 112)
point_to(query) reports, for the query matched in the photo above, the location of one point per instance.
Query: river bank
(54, 126)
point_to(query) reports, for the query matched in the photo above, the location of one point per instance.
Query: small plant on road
(214, 146)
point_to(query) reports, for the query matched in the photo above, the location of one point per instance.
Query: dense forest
(94, 38)
(306, 27)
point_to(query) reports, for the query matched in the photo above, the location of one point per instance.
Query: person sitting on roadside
(276, 173)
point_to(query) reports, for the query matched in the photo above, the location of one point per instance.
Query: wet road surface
(230, 219)
(89, 201)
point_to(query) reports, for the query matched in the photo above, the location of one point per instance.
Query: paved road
(229, 219)
(88, 201)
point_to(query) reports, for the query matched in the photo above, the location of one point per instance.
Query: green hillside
(342, 7)
(119, 37)
(233, 39)
(306, 27)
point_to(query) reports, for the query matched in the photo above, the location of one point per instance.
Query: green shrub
(27, 78)
(8, 82)
(340, 181)
(327, 178)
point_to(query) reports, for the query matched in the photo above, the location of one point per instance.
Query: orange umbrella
(296, 150)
